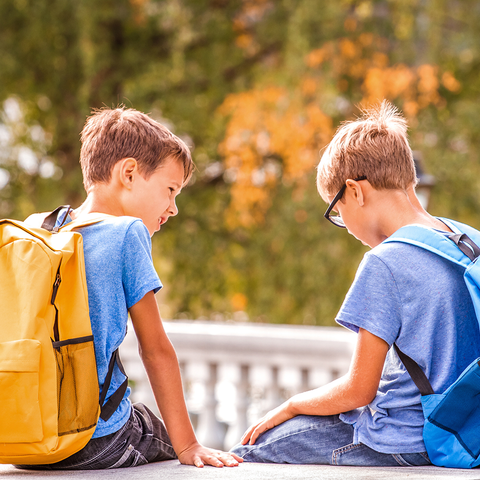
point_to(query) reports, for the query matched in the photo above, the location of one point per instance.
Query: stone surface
(248, 471)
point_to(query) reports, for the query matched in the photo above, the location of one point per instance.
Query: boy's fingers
(228, 459)
(256, 433)
(247, 435)
(236, 457)
(215, 462)
(198, 462)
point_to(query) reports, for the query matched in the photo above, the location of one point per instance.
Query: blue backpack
(452, 419)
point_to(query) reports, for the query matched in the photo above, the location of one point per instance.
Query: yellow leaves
(244, 41)
(350, 24)
(416, 88)
(316, 57)
(274, 134)
(428, 85)
(389, 82)
(309, 86)
(347, 49)
(366, 39)
(139, 8)
(251, 12)
(450, 82)
(270, 133)
(239, 302)
(379, 60)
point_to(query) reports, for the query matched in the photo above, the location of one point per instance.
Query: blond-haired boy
(401, 294)
(133, 169)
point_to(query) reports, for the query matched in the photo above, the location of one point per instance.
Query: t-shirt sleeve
(372, 303)
(138, 273)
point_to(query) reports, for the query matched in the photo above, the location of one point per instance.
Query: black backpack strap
(466, 245)
(51, 219)
(113, 402)
(418, 377)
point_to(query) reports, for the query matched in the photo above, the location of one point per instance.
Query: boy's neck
(398, 209)
(373, 215)
(99, 201)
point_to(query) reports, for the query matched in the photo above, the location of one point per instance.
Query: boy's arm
(161, 364)
(355, 389)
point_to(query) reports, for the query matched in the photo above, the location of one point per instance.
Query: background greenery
(257, 88)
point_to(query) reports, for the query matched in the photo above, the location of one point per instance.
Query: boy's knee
(250, 453)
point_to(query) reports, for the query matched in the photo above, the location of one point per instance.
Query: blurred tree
(257, 88)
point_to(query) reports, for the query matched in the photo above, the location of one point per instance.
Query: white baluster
(237, 429)
(305, 380)
(274, 395)
(334, 374)
(210, 431)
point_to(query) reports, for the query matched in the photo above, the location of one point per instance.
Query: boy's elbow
(165, 354)
(362, 394)
(365, 395)
(366, 399)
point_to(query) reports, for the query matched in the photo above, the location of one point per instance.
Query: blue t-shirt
(119, 272)
(410, 296)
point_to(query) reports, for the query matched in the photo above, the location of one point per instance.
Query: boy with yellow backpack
(133, 169)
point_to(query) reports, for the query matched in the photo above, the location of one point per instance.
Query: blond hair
(374, 146)
(110, 135)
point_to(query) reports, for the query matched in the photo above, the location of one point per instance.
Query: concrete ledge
(249, 471)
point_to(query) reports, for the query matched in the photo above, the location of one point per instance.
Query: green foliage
(179, 60)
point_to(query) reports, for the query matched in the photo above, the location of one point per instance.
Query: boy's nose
(173, 210)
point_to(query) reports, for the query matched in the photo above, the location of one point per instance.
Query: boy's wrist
(291, 407)
(182, 449)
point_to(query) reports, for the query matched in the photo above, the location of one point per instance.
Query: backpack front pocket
(77, 382)
(21, 420)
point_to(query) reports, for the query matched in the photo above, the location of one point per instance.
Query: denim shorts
(143, 439)
(321, 440)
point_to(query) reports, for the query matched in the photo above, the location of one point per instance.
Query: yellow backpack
(49, 393)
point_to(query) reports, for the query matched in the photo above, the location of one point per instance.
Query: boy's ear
(128, 169)
(357, 191)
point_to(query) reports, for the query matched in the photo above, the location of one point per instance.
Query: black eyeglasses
(335, 218)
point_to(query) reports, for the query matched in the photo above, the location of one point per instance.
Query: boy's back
(119, 272)
(410, 296)
(402, 294)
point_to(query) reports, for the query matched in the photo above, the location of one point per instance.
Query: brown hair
(110, 135)
(374, 146)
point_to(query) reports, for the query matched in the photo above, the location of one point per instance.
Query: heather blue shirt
(119, 272)
(405, 294)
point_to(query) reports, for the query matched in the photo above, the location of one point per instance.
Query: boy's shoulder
(390, 251)
(399, 260)
(117, 229)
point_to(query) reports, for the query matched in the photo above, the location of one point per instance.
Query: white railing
(234, 372)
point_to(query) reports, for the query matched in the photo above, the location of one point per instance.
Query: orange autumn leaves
(270, 136)
(274, 133)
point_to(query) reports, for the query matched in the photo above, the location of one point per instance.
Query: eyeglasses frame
(337, 197)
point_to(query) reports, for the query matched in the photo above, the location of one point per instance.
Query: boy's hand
(199, 456)
(271, 419)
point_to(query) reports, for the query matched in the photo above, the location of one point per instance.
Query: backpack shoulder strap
(416, 373)
(458, 247)
(47, 221)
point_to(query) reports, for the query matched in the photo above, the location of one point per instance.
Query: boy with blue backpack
(133, 169)
(410, 306)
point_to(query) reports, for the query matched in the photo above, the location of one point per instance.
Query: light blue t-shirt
(415, 298)
(119, 272)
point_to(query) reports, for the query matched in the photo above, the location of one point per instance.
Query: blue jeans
(320, 440)
(143, 439)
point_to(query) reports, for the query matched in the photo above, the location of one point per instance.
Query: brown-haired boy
(133, 168)
(401, 294)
